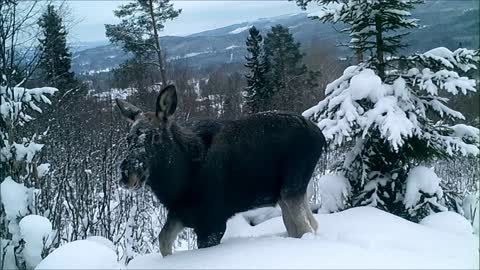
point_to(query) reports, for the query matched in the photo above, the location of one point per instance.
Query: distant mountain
(443, 23)
(84, 45)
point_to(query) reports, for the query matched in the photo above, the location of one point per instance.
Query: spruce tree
(258, 94)
(394, 113)
(375, 27)
(139, 30)
(288, 76)
(55, 60)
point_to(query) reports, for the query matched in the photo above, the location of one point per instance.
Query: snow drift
(362, 237)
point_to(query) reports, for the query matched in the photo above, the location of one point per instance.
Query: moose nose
(133, 181)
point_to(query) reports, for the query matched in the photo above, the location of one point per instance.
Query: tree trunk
(380, 55)
(158, 48)
(359, 55)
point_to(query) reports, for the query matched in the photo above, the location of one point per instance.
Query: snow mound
(43, 169)
(448, 222)
(103, 241)
(334, 189)
(421, 179)
(81, 254)
(362, 237)
(14, 198)
(259, 215)
(471, 209)
(35, 231)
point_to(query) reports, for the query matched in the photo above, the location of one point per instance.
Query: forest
(402, 129)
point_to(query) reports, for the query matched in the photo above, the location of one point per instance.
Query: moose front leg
(168, 234)
(208, 237)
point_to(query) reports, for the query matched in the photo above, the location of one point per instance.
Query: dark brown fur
(207, 173)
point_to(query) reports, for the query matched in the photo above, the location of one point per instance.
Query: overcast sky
(196, 16)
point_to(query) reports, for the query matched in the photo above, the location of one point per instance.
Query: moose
(207, 173)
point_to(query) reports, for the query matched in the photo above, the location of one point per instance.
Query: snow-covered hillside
(356, 238)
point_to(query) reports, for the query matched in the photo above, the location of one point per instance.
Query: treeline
(276, 66)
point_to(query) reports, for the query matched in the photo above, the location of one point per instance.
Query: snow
(188, 55)
(350, 117)
(450, 222)
(81, 254)
(43, 169)
(97, 71)
(9, 260)
(362, 237)
(460, 58)
(232, 47)
(441, 54)
(35, 231)
(103, 241)
(14, 198)
(240, 29)
(366, 84)
(464, 131)
(471, 208)
(334, 191)
(400, 107)
(14, 102)
(115, 93)
(259, 215)
(421, 179)
(26, 151)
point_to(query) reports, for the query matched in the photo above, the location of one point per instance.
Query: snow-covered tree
(396, 123)
(393, 110)
(18, 168)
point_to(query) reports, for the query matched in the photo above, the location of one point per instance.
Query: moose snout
(131, 177)
(133, 181)
(130, 180)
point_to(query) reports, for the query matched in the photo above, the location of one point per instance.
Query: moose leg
(287, 220)
(311, 218)
(297, 213)
(168, 234)
(211, 236)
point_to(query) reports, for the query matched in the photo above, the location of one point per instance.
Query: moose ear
(166, 102)
(128, 110)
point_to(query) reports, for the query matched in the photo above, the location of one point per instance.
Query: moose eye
(156, 138)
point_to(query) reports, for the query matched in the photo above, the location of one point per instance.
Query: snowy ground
(357, 238)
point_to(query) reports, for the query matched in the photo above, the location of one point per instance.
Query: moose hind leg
(311, 218)
(168, 234)
(297, 216)
(287, 219)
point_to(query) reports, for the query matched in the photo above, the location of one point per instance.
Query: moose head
(150, 140)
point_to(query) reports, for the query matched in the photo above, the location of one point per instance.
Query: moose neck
(173, 163)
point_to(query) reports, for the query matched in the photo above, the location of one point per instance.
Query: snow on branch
(358, 103)
(15, 101)
(461, 58)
